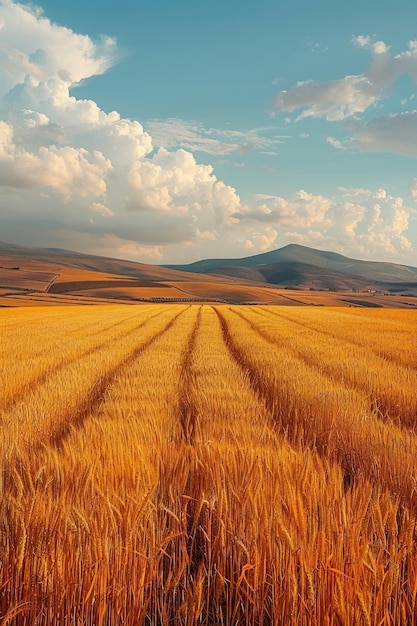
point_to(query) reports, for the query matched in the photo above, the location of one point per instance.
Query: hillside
(38, 276)
(300, 275)
(66, 261)
(300, 266)
(294, 275)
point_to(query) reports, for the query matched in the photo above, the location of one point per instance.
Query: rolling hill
(299, 266)
(65, 262)
(294, 275)
(31, 276)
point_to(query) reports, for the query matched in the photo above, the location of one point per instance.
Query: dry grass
(386, 333)
(227, 291)
(197, 465)
(385, 383)
(126, 292)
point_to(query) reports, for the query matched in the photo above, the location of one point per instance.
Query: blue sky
(169, 132)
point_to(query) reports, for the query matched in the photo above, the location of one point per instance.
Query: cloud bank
(359, 221)
(75, 176)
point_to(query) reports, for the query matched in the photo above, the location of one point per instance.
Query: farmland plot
(212, 465)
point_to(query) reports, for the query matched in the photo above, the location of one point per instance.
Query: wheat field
(208, 465)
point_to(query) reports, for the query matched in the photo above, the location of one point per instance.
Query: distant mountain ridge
(291, 267)
(300, 266)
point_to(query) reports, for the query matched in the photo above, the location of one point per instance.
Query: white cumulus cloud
(345, 97)
(65, 169)
(69, 159)
(77, 176)
(334, 100)
(362, 222)
(302, 210)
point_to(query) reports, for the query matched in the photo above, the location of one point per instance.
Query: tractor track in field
(194, 507)
(286, 418)
(385, 357)
(256, 381)
(186, 409)
(95, 397)
(114, 325)
(379, 405)
(21, 394)
(92, 324)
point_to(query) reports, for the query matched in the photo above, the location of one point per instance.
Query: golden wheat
(198, 465)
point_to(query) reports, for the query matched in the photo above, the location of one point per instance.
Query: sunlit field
(208, 465)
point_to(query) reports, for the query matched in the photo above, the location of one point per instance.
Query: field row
(208, 465)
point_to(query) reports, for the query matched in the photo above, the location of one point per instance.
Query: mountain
(38, 276)
(301, 266)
